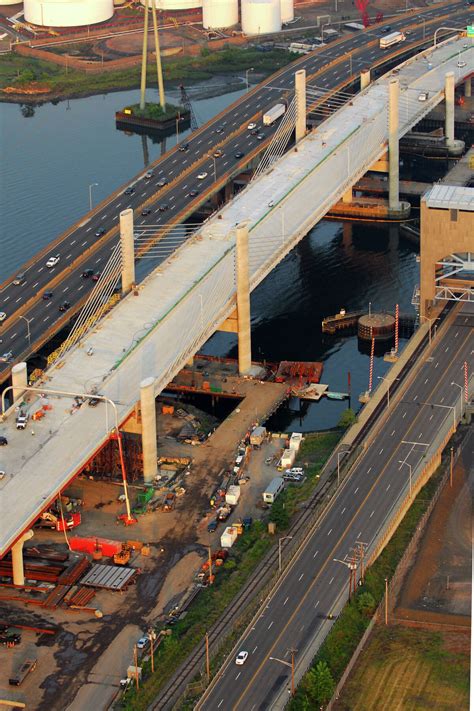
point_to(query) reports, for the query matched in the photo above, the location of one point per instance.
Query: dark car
(146, 211)
(100, 232)
(193, 193)
(219, 129)
(255, 132)
(96, 276)
(93, 402)
(386, 29)
(47, 295)
(212, 525)
(161, 183)
(3, 441)
(65, 306)
(129, 191)
(239, 154)
(87, 273)
(184, 147)
(163, 207)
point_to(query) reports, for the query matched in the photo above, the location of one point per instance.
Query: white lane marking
(40, 269)
(98, 260)
(420, 435)
(255, 649)
(446, 349)
(316, 605)
(331, 581)
(356, 490)
(48, 304)
(431, 417)
(84, 243)
(392, 433)
(369, 470)
(416, 396)
(46, 319)
(69, 256)
(238, 676)
(330, 531)
(381, 451)
(456, 334)
(271, 623)
(314, 556)
(436, 364)
(103, 217)
(286, 601)
(118, 204)
(6, 298)
(19, 299)
(404, 415)
(426, 381)
(220, 703)
(371, 514)
(388, 487)
(343, 510)
(81, 287)
(11, 337)
(34, 285)
(65, 289)
(360, 534)
(301, 577)
(73, 241)
(442, 399)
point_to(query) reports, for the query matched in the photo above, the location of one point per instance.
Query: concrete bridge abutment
(300, 93)
(128, 250)
(364, 79)
(19, 380)
(148, 418)
(17, 558)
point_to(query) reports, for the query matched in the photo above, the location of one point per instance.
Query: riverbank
(38, 81)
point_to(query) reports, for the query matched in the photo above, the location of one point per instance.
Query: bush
(347, 418)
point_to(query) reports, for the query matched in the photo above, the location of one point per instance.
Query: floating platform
(341, 321)
(369, 208)
(316, 391)
(298, 372)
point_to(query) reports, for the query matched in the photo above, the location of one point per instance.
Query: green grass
(155, 112)
(16, 70)
(346, 632)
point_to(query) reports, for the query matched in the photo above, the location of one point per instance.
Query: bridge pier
(364, 79)
(148, 416)
(17, 558)
(467, 88)
(449, 106)
(128, 250)
(19, 380)
(243, 298)
(300, 93)
(393, 147)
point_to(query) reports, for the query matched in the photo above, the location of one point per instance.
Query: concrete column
(128, 250)
(364, 79)
(17, 559)
(347, 197)
(300, 92)
(243, 298)
(148, 410)
(19, 380)
(393, 148)
(449, 106)
(467, 88)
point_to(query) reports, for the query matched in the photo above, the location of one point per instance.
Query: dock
(341, 321)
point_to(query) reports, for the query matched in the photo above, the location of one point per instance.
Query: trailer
(233, 495)
(28, 666)
(270, 116)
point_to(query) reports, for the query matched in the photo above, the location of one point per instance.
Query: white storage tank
(218, 14)
(174, 4)
(260, 17)
(287, 10)
(10, 2)
(67, 13)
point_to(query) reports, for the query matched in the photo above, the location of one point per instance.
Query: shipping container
(229, 536)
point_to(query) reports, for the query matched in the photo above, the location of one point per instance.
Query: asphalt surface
(21, 334)
(317, 584)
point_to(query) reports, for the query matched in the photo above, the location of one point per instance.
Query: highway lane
(316, 582)
(232, 133)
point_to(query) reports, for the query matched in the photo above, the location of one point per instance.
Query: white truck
(392, 38)
(273, 114)
(21, 420)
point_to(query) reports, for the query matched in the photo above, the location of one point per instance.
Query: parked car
(146, 211)
(47, 295)
(65, 306)
(461, 63)
(212, 525)
(241, 658)
(100, 231)
(3, 441)
(260, 136)
(202, 176)
(142, 642)
(93, 402)
(2, 316)
(52, 261)
(219, 129)
(423, 96)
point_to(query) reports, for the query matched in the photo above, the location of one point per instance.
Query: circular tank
(287, 10)
(218, 14)
(174, 4)
(67, 13)
(381, 327)
(10, 2)
(260, 17)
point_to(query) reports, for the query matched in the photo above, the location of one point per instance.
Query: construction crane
(186, 102)
(362, 6)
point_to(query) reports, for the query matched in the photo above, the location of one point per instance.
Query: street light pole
(92, 185)
(28, 321)
(462, 391)
(291, 665)
(247, 78)
(283, 538)
(389, 381)
(410, 468)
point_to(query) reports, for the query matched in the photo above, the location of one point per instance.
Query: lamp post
(105, 399)
(445, 407)
(389, 381)
(247, 78)
(28, 321)
(209, 155)
(291, 665)
(430, 321)
(339, 455)
(410, 468)
(463, 394)
(92, 185)
(283, 538)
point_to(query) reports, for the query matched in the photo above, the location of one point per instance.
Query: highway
(317, 584)
(30, 319)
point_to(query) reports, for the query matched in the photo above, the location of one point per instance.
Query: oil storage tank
(218, 14)
(260, 17)
(174, 4)
(287, 10)
(67, 13)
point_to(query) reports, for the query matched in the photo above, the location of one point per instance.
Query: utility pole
(292, 671)
(135, 659)
(451, 461)
(386, 601)
(210, 565)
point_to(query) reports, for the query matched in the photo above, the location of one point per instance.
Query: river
(52, 156)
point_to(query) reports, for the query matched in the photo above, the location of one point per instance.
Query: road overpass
(185, 300)
(31, 321)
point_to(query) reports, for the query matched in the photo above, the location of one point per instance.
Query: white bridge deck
(183, 302)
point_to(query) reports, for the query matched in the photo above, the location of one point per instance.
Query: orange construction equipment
(123, 556)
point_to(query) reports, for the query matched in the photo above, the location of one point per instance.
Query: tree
(347, 418)
(366, 603)
(321, 684)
